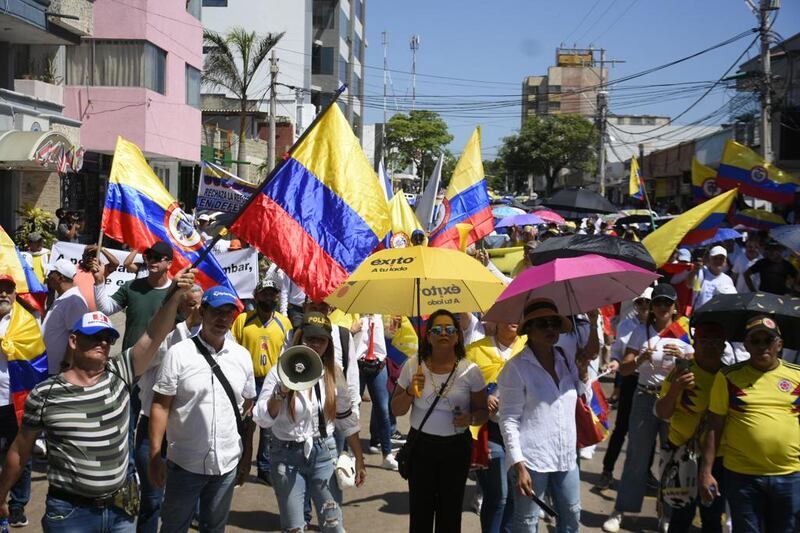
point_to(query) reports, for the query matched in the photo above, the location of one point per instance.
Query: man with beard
(263, 332)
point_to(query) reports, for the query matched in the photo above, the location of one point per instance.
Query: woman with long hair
(538, 390)
(440, 449)
(302, 449)
(652, 350)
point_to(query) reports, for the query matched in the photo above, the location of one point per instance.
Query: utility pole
(766, 87)
(414, 47)
(298, 102)
(602, 116)
(273, 109)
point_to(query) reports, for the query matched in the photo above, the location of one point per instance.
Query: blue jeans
(643, 428)
(262, 453)
(151, 496)
(182, 492)
(565, 492)
(763, 503)
(294, 476)
(497, 508)
(62, 517)
(21, 490)
(379, 424)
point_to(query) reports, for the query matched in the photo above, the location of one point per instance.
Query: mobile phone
(681, 365)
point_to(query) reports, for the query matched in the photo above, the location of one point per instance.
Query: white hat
(647, 294)
(63, 267)
(718, 250)
(684, 255)
(203, 218)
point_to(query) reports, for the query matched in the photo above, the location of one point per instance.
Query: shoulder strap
(323, 425)
(344, 341)
(439, 395)
(222, 381)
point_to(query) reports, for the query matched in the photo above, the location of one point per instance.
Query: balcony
(40, 21)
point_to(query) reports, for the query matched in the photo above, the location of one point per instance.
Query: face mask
(268, 306)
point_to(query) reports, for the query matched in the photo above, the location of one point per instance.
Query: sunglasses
(155, 258)
(547, 323)
(443, 330)
(99, 338)
(762, 341)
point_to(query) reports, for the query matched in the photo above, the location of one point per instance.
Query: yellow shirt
(38, 266)
(692, 404)
(263, 341)
(762, 428)
(484, 354)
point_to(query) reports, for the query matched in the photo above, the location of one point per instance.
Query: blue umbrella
(789, 236)
(504, 211)
(723, 234)
(528, 219)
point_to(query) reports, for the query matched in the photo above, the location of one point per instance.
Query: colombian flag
(322, 213)
(679, 329)
(692, 227)
(635, 187)
(465, 201)
(743, 168)
(404, 222)
(704, 182)
(140, 211)
(599, 406)
(29, 288)
(757, 219)
(27, 359)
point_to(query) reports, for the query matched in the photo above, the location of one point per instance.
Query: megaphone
(299, 368)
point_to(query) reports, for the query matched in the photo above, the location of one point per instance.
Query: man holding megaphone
(304, 398)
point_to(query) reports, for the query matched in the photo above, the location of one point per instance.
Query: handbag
(679, 468)
(587, 426)
(403, 456)
(127, 497)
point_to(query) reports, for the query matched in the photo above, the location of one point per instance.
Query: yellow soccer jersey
(762, 428)
(263, 341)
(692, 404)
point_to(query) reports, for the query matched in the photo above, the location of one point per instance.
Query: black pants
(617, 439)
(439, 468)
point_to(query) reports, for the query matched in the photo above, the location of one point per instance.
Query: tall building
(137, 76)
(570, 87)
(338, 56)
(36, 137)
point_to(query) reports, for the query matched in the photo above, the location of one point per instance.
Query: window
(117, 64)
(192, 86)
(193, 8)
(359, 6)
(554, 88)
(215, 3)
(356, 88)
(342, 69)
(356, 45)
(322, 60)
(344, 26)
(323, 17)
(636, 121)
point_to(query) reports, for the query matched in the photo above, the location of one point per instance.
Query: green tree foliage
(547, 145)
(417, 138)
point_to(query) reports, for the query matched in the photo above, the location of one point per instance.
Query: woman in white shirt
(302, 449)
(441, 449)
(538, 391)
(652, 349)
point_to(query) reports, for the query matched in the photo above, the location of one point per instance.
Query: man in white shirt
(292, 297)
(744, 260)
(62, 315)
(709, 279)
(203, 435)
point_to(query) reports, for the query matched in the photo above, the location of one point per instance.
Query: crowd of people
(159, 432)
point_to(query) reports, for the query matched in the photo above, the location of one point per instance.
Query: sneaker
(477, 503)
(398, 438)
(17, 518)
(389, 462)
(613, 523)
(374, 448)
(587, 453)
(263, 477)
(605, 481)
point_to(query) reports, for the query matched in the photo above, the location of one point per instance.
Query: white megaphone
(299, 368)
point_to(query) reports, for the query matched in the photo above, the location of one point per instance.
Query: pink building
(138, 76)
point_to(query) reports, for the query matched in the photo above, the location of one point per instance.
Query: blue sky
(496, 44)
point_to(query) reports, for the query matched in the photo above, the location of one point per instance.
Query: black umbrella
(579, 201)
(732, 311)
(605, 245)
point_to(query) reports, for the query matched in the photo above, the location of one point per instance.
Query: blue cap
(684, 255)
(218, 296)
(94, 322)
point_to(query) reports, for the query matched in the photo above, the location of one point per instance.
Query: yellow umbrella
(417, 281)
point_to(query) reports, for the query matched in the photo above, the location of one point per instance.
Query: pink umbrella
(549, 216)
(575, 284)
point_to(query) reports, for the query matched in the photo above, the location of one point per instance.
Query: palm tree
(232, 62)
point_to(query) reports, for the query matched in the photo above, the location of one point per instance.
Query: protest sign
(220, 191)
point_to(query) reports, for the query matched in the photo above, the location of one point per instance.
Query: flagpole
(644, 187)
(224, 231)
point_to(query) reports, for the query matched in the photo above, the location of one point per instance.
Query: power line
(586, 16)
(616, 20)
(598, 19)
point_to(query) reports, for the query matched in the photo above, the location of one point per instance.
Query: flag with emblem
(743, 168)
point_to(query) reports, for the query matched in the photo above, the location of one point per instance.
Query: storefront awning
(32, 150)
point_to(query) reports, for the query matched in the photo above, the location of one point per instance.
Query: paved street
(382, 503)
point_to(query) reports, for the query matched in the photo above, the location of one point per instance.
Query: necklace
(437, 386)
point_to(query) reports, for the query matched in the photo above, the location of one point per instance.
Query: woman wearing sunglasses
(538, 391)
(440, 454)
(652, 350)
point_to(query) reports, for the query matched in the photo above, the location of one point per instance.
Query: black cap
(762, 323)
(316, 325)
(161, 249)
(664, 290)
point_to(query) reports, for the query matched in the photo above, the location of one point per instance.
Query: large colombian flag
(140, 211)
(743, 168)
(465, 201)
(322, 213)
(692, 227)
(23, 345)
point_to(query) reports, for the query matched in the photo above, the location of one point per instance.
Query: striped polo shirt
(86, 429)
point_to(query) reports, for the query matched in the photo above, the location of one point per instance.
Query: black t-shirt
(773, 275)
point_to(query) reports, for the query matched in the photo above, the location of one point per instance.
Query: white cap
(718, 250)
(203, 218)
(63, 267)
(684, 255)
(646, 294)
